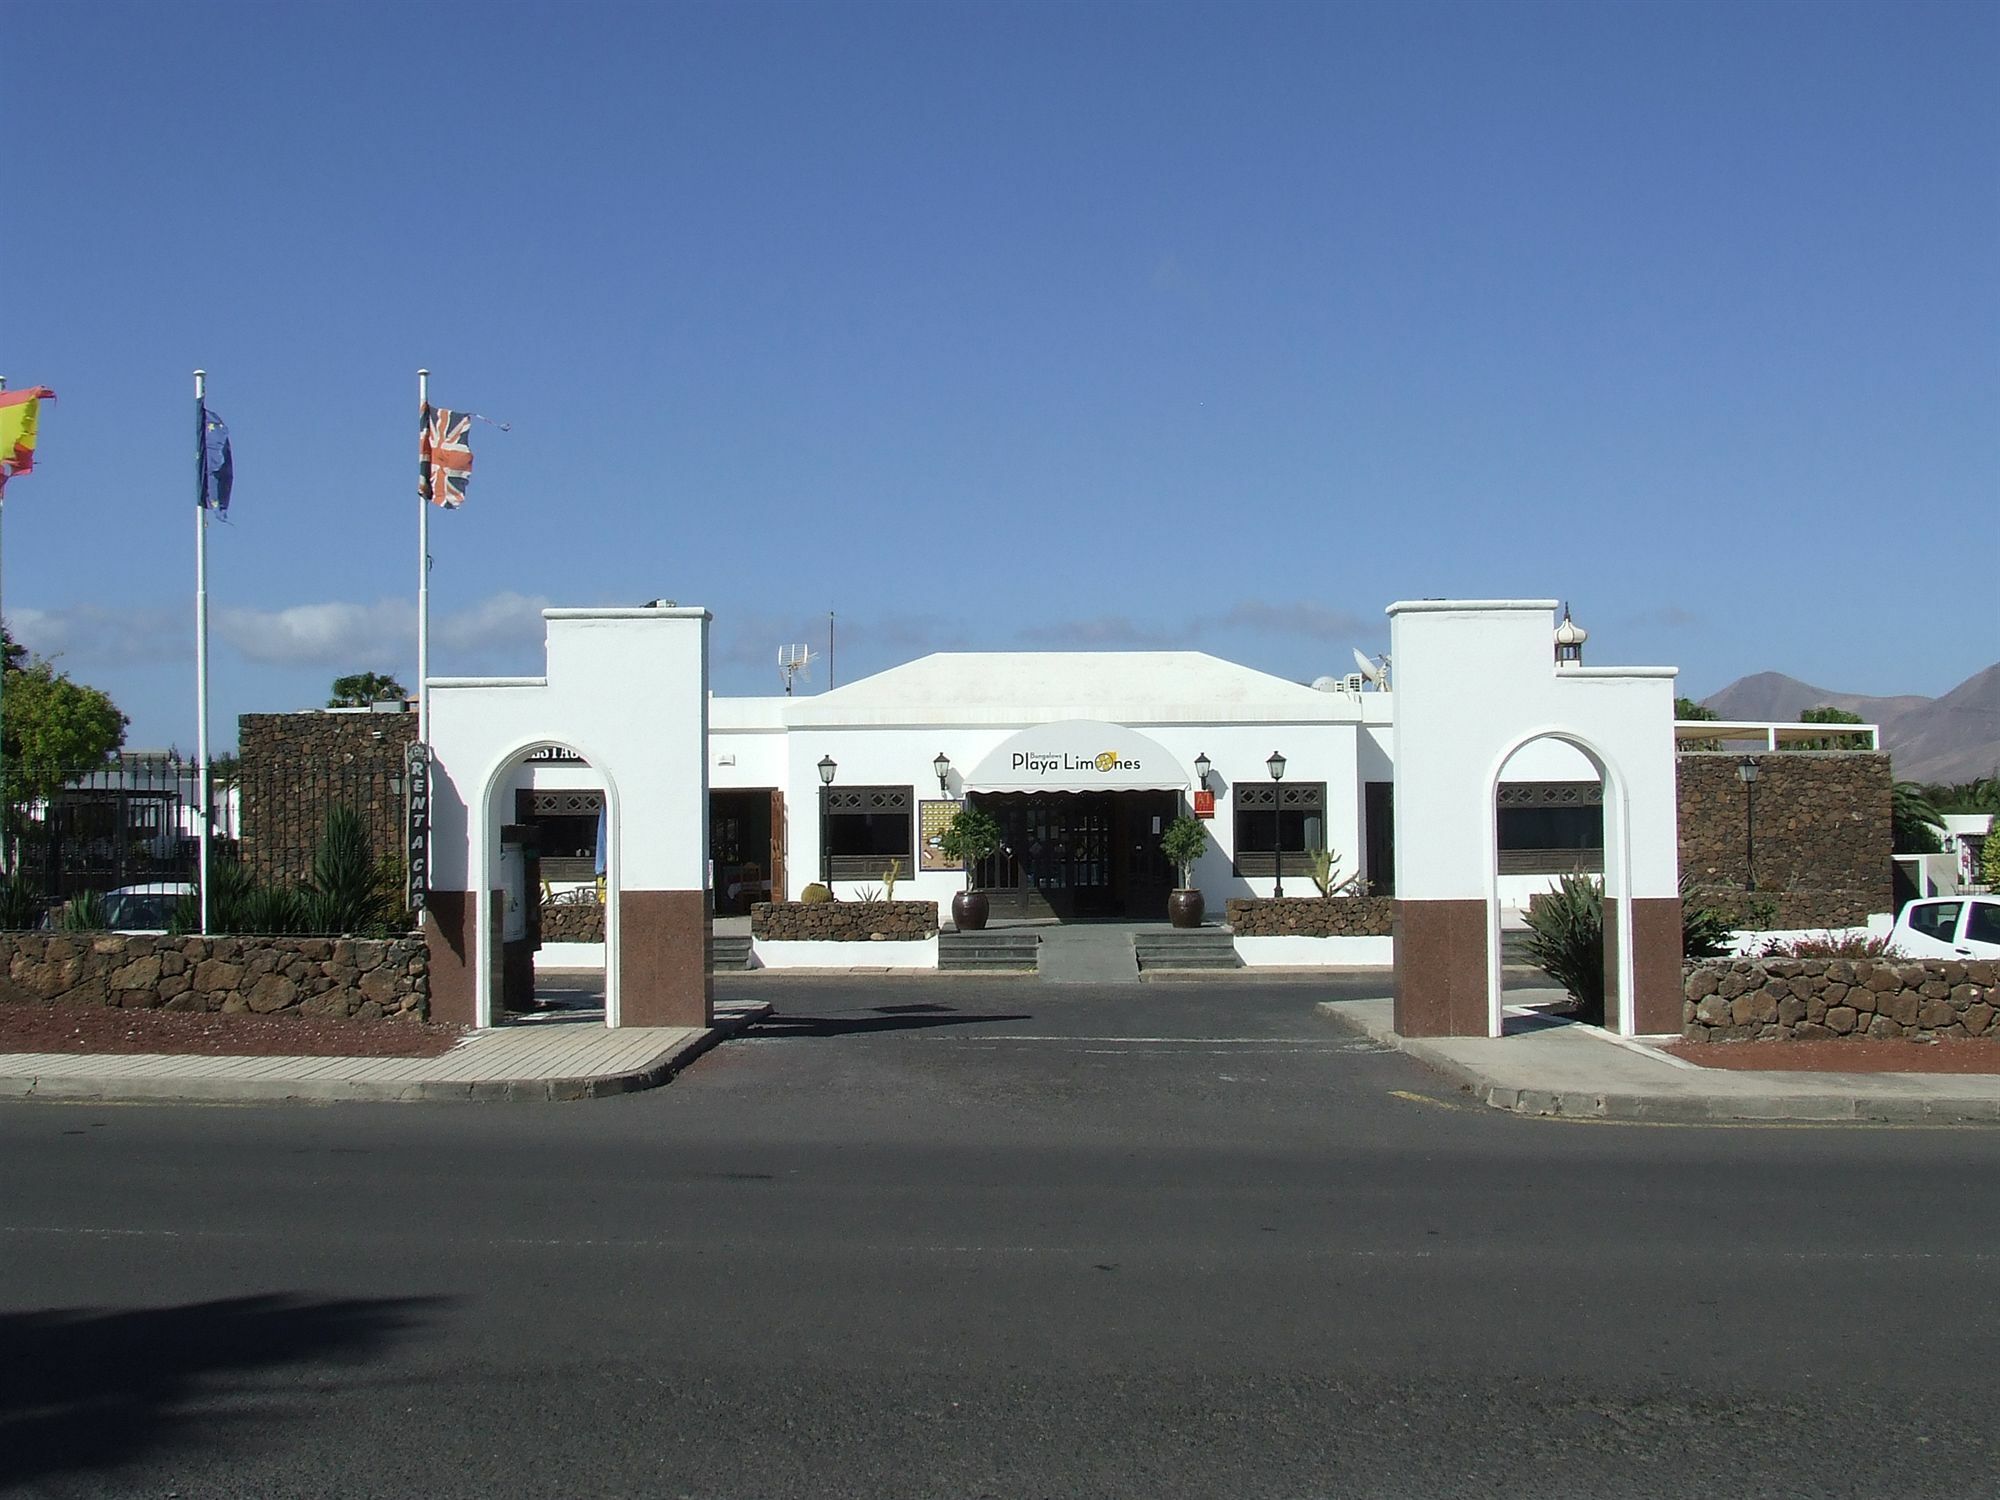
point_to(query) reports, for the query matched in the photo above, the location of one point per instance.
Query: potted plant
(970, 836)
(1183, 843)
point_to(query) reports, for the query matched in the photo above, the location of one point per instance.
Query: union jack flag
(444, 457)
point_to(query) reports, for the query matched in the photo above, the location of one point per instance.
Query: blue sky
(1008, 326)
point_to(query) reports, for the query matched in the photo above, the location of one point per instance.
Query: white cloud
(337, 633)
(321, 635)
(87, 634)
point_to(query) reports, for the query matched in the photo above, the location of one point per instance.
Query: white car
(1949, 927)
(144, 908)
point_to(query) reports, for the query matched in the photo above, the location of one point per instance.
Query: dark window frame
(880, 807)
(1549, 827)
(1252, 805)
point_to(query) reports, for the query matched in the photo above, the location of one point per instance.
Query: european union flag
(218, 465)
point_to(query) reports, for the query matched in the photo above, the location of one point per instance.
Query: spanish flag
(19, 412)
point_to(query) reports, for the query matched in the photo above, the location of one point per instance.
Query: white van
(1948, 927)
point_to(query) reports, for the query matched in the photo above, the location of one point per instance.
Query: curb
(342, 1091)
(1682, 1108)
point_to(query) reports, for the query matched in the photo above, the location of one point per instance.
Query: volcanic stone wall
(296, 766)
(1819, 823)
(364, 978)
(1817, 999)
(1311, 916)
(572, 922)
(844, 921)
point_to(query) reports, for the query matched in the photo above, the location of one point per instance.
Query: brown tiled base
(1656, 961)
(448, 933)
(1441, 968)
(663, 977)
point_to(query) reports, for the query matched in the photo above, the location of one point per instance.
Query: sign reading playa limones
(1078, 755)
(1103, 761)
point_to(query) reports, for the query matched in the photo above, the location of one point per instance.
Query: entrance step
(992, 952)
(1514, 948)
(1187, 948)
(1088, 953)
(728, 951)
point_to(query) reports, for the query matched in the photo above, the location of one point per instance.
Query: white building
(1504, 759)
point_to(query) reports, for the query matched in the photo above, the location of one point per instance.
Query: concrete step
(727, 951)
(1187, 948)
(1514, 948)
(1000, 951)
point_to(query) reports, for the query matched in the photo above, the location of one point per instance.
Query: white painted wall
(628, 690)
(1476, 682)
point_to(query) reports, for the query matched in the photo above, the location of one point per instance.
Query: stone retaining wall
(1806, 999)
(843, 921)
(1822, 840)
(564, 923)
(365, 978)
(296, 766)
(1311, 916)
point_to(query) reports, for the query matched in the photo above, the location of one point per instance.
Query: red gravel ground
(1876, 1055)
(103, 1028)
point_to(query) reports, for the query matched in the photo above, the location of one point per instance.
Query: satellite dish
(1326, 684)
(1368, 668)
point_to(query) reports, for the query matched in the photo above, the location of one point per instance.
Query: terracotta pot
(968, 910)
(1185, 908)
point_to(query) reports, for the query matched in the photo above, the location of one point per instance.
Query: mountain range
(1955, 737)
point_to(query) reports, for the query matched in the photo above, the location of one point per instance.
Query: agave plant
(20, 903)
(85, 913)
(344, 893)
(1566, 938)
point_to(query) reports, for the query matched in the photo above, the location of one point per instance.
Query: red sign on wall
(1204, 804)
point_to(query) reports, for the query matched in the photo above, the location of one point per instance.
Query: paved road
(963, 1238)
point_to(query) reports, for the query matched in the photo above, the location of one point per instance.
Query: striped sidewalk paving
(572, 1060)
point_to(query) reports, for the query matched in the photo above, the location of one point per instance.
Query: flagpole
(203, 811)
(424, 584)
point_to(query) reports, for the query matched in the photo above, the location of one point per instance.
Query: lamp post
(1746, 770)
(1276, 766)
(942, 765)
(826, 770)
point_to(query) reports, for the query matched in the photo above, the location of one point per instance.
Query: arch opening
(548, 822)
(1549, 793)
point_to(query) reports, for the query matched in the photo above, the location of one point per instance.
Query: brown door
(779, 843)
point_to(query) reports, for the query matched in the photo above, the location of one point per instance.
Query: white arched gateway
(626, 691)
(1477, 682)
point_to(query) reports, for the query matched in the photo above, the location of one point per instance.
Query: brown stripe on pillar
(1656, 964)
(663, 975)
(448, 926)
(1441, 968)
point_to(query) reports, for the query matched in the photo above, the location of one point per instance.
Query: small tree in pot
(1183, 843)
(970, 836)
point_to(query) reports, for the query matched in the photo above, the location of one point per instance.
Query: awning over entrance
(1078, 755)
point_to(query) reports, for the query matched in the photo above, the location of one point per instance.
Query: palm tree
(360, 689)
(1914, 822)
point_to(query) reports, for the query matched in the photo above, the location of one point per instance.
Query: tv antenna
(794, 662)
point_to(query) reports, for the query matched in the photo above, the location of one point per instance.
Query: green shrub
(1848, 945)
(969, 837)
(815, 893)
(1705, 932)
(1183, 843)
(344, 893)
(266, 910)
(84, 913)
(1566, 938)
(20, 904)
